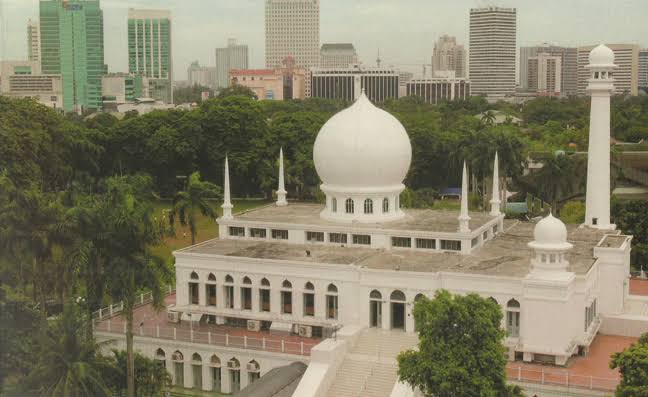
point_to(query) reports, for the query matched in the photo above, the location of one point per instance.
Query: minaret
(281, 191)
(227, 203)
(464, 218)
(495, 201)
(600, 87)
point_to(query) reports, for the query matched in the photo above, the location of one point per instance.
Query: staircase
(369, 369)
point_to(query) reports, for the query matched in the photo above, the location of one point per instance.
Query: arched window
(215, 361)
(286, 297)
(177, 356)
(234, 363)
(160, 355)
(196, 358)
(332, 289)
(375, 294)
(286, 284)
(397, 295)
(194, 295)
(349, 206)
(194, 276)
(334, 204)
(234, 367)
(368, 206)
(265, 282)
(418, 297)
(331, 302)
(254, 371)
(229, 292)
(210, 290)
(211, 277)
(490, 298)
(309, 299)
(309, 286)
(513, 318)
(229, 279)
(178, 368)
(385, 205)
(246, 294)
(264, 295)
(246, 280)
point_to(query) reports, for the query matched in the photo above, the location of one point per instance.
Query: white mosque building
(341, 278)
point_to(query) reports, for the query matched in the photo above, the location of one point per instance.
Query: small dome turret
(601, 55)
(550, 245)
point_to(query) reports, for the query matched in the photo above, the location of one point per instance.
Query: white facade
(448, 55)
(492, 50)
(23, 79)
(643, 69)
(292, 28)
(234, 56)
(338, 55)
(544, 74)
(33, 41)
(626, 76)
(437, 89)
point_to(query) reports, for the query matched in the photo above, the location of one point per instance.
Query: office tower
(292, 28)
(204, 76)
(23, 79)
(72, 45)
(448, 55)
(33, 41)
(234, 56)
(119, 88)
(437, 89)
(149, 50)
(379, 84)
(569, 66)
(338, 55)
(492, 51)
(544, 74)
(626, 75)
(643, 70)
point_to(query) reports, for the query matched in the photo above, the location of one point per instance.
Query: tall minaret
(464, 218)
(495, 201)
(227, 203)
(281, 191)
(600, 87)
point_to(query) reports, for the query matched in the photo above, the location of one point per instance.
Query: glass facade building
(72, 45)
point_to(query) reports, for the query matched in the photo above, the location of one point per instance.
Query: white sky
(404, 30)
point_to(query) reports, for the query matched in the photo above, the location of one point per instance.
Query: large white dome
(362, 148)
(601, 55)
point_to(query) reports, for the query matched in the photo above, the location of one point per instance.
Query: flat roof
(505, 255)
(427, 220)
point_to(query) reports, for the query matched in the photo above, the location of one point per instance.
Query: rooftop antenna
(378, 60)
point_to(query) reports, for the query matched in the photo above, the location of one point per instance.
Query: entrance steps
(370, 368)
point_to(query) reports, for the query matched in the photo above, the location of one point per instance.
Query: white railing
(560, 378)
(216, 337)
(116, 308)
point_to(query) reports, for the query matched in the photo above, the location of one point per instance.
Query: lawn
(207, 228)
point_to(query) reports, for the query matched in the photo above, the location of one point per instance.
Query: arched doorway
(196, 369)
(375, 309)
(397, 305)
(215, 365)
(254, 371)
(235, 374)
(178, 368)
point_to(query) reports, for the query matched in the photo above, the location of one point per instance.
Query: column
(202, 294)
(226, 379)
(298, 303)
(256, 303)
(275, 300)
(320, 303)
(188, 373)
(244, 376)
(386, 314)
(409, 317)
(237, 297)
(207, 378)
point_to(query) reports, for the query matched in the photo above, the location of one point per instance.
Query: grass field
(207, 228)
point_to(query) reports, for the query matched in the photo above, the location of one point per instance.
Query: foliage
(460, 348)
(236, 90)
(151, 377)
(631, 217)
(633, 366)
(573, 212)
(191, 94)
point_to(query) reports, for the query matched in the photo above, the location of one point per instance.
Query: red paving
(591, 371)
(638, 287)
(148, 322)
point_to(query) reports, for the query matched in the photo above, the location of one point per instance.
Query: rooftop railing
(560, 378)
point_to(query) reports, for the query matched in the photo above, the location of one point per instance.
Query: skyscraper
(204, 76)
(149, 50)
(626, 75)
(234, 56)
(569, 68)
(544, 74)
(33, 41)
(492, 51)
(292, 29)
(338, 55)
(448, 55)
(643, 70)
(71, 34)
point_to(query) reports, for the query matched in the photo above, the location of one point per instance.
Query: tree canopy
(633, 365)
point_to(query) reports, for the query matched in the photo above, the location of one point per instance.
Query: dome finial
(281, 190)
(227, 203)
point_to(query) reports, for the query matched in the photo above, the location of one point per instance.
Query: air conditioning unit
(254, 325)
(305, 331)
(251, 367)
(173, 317)
(232, 364)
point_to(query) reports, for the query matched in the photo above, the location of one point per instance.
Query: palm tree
(187, 204)
(69, 363)
(488, 117)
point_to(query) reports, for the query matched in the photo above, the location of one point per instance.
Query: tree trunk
(130, 362)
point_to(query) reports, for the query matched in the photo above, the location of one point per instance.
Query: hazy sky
(404, 30)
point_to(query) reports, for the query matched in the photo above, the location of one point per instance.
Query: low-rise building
(273, 84)
(437, 89)
(120, 88)
(23, 79)
(347, 84)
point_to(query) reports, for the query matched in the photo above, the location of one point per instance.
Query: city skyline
(207, 25)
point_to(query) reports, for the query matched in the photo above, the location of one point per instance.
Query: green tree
(633, 365)
(488, 118)
(631, 217)
(460, 348)
(191, 94)
(69, 363)
(236, 90)
(193, 200)
(151, 377)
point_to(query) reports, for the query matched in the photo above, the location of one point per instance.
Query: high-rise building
(379, 84)
(626, 75)
(292, 28)
(338, 55)
(643, 70)
(119, 88)
(234, 56)
(448, 55)
(569, 68)
(492, 51)
(72, 45)
(544, 74)
(201, 75)
(33, 41)
(150, 52)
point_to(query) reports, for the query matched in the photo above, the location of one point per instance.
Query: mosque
(333, 285)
